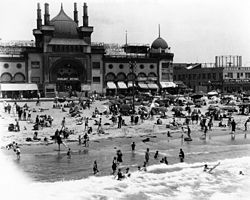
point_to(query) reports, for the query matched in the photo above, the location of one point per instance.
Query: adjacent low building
(227, 74)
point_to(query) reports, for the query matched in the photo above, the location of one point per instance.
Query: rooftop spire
(159, 27)
(61, 6)
(126, 38)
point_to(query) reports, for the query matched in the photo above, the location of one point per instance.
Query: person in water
(114, 165)
(156, 154)
(127, 172)
(209, 169)
(69, 153)
(133, 146)
(147, 155)
(95, 168)
(181, 155)
(120, 176)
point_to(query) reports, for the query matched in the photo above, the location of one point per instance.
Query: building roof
(65, 27)
(67, 41)
(159, 43)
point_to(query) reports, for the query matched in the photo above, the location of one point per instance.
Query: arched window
(6, 77)
(121, 77)
(131, 77)
(19, 77)
(110, 77)
(151, 74)
(141, 74)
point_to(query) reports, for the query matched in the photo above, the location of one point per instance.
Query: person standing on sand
(181, 155)
(63, 123)
(86, 124)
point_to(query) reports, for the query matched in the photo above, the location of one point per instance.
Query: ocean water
(178, 181)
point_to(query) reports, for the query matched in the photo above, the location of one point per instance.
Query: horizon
(196, 34)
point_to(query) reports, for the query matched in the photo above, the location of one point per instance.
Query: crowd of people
(192, 116)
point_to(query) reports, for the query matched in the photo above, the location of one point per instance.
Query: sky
(196, 30)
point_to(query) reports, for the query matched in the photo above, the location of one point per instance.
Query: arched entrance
(68, 75)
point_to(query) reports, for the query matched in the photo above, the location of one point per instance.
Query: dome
(159, 43)
(65, 27)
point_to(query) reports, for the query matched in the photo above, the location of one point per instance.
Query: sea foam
(178, 181)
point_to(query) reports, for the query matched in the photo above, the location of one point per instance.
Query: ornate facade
(63, 58)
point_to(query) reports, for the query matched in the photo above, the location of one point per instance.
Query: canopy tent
(168, 84)
(122, 85)
(143, 85)
(111, 85)
(18, 86)
(152, 86)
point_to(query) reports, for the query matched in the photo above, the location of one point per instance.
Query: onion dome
(65, 27)
(159, 43)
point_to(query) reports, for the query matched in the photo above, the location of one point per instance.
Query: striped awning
(111, 85)
(168, 84)
(18, 86)
(152, 86)
(121, 85)
(143, 85)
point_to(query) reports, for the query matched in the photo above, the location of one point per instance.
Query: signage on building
(237, 80)
(66, 79)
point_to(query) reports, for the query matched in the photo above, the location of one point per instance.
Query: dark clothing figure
(189, 132)
(95, 168)
(119, 156)
(233, 125)
(119, 121)
(181, 155)
(164, 160)
(114, 165)
(147, 155)
(119, 175)
(156, 155)
(133, 146)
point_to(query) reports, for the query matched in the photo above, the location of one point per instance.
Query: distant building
(226, 74)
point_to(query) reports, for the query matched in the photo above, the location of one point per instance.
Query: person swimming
(209, 169)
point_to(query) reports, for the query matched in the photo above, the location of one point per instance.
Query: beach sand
(43, 162)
